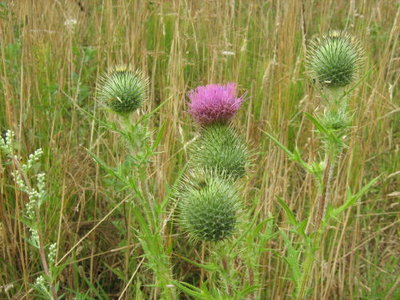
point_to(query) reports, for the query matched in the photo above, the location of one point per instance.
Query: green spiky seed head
(334, 59)
(220, 148)
(123, 90)
(208, 207)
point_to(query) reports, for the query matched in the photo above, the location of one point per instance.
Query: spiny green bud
(336, 120)
(220, 148)
(208, 206)
(123, 90)
(334, 59)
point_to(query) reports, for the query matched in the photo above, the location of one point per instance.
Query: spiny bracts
(123, 90)
(221, 149)
(334, 60)
(208, 206)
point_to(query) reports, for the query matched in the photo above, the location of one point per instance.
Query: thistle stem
(332, 156)
(308, 265)
(324, 197)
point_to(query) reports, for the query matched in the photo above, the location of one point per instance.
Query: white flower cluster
(19, 181)
(70, 23)
(7, 143)
(32, 158)
(35, 187)
(51, 255)
(36, 195)
(34, 239)
(40, 281)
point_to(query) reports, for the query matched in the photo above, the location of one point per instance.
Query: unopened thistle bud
(208, 207)
(123, 90)
(334, 59)
(221, 149)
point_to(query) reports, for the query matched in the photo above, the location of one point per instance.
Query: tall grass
(109, 248)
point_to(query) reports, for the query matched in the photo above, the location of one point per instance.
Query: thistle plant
(208, 212)
(208, 206)
(219, 147)
(123, 90)
(333, 62)
(209, 199)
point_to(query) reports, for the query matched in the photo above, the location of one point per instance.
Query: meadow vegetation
(94, 214)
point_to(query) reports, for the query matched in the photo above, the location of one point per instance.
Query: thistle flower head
(334, 59)
(123, 90)
(208, 206)
(221, 149)
(214, 103)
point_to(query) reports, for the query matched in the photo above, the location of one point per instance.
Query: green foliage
(145, 213)
(300, 256)
(351, 199)
(221, 149)
(123, 90)
(315, 169)
(208, 207)
(203, 293)
(334, 59)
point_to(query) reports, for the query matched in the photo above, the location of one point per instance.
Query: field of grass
(109, 210)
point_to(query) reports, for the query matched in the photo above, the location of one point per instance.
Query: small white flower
(7, 143)
(70, 23)
(40, 281)
(52, 253)
(228, 53)
(6, 287)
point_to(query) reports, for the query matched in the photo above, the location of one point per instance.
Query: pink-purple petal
(214, 103)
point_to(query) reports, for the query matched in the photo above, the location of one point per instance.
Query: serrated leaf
(279, 144)
(208, 267)
(291, 258)
(246, 291)
(321, 128)
(292, 219)
(353, 198)
(190, 290)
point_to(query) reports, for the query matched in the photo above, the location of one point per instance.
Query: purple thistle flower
(214, 103)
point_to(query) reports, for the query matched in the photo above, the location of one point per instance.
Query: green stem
(308, 265)
(332, 154)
